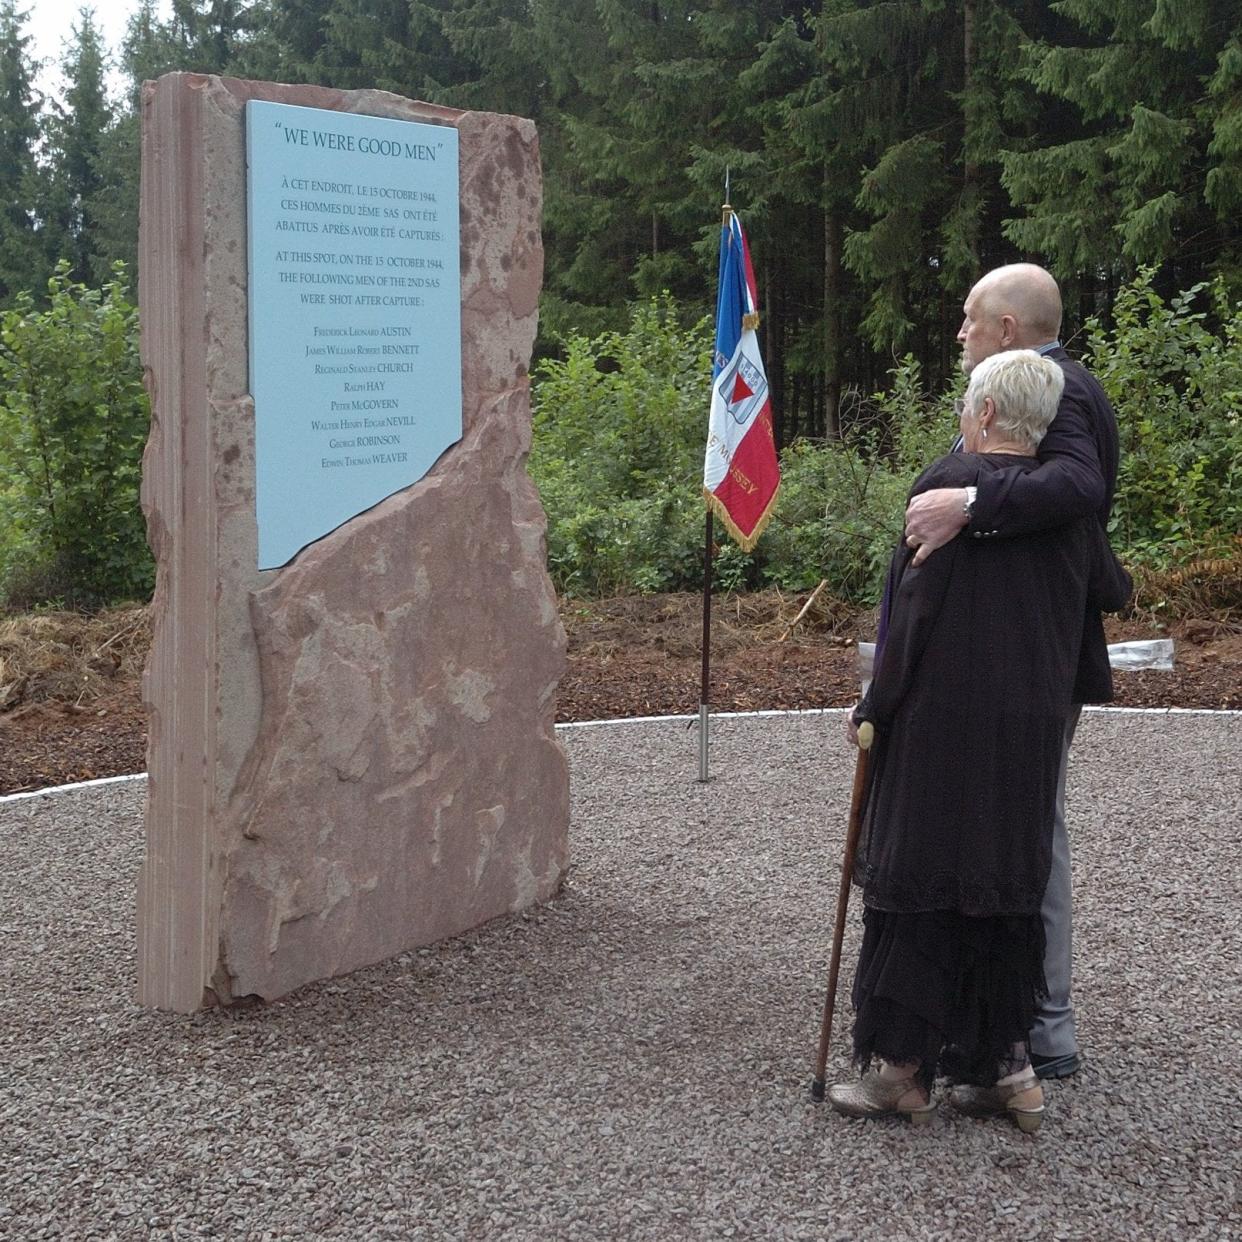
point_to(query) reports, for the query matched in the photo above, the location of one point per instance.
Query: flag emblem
(747, 387)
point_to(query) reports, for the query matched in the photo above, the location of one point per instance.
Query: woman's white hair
(1025, 388)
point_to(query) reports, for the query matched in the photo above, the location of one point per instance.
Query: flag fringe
(744, 541)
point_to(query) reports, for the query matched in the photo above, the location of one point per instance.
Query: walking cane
(866, 735)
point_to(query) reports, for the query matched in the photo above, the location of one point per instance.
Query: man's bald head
(1030, 295)
(1013, 307)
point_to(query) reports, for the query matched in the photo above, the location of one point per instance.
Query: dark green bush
(841, 503)
(620, 426)
(73, 422)
(620, 429)
(1174, 374)
(621, 422)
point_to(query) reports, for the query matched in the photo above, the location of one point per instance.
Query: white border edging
(634, 720)
(628, 720)
(831, 711)
(55, 789)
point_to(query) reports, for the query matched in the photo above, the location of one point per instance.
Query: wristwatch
(969, 507)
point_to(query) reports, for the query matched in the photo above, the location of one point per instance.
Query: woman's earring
(984, 432)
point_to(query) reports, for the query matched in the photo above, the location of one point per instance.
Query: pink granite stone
(355, 754)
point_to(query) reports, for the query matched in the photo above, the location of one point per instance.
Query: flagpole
(707, 649)
(704, 688)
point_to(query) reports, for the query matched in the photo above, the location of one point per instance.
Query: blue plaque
(355, 313)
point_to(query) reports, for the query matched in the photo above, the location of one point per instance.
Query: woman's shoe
(873, 1096)
(1022, 1100)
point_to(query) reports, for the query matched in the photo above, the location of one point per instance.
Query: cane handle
(866, 735)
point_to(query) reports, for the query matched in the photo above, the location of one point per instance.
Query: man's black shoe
(1055, 1067)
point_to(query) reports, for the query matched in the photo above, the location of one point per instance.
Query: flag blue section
(730, 296)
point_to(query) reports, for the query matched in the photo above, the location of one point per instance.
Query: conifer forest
(882, 154)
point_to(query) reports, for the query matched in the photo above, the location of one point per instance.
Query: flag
(740, 472)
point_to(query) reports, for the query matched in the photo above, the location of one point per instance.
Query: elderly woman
(969, 701)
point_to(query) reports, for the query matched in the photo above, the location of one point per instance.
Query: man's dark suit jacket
(1078, 477)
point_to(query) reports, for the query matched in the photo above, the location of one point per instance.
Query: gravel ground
(633, 1060)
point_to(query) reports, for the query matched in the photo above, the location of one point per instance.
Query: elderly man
(1019, 307)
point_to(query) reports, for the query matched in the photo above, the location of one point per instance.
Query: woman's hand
(851, 729)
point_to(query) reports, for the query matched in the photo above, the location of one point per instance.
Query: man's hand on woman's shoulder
(933, 518)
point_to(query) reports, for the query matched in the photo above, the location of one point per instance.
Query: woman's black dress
(970, 699)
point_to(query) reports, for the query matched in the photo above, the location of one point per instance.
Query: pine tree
(152, 48)
(654, 108)
(212, 33)
(798, 230)
(498, 57)
(21, 262)
(76, 176)
(287, 38)
(919, 94)
(1153, 173)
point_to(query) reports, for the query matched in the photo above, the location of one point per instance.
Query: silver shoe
(873, 1096)
(1022, 1100)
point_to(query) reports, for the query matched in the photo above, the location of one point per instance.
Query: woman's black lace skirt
(948, 990)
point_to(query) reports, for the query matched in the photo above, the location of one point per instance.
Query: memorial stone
(351, 687)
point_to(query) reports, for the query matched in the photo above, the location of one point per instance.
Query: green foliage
(1173, 372)
(621, 419)
(1151, 174)
(73, 421)
(76, 174)
(618, 454)
(620, 423)
(841, 504)
(882, 155)
(21, 264)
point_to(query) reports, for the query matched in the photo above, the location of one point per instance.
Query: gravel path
(633, 1060)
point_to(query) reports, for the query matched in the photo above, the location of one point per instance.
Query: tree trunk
(971, 172)
(970, 169)
(795, 397)
(772, 354)
(832, 321)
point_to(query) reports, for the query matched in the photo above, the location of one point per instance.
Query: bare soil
(71, 704)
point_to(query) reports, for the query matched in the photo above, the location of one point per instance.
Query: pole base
(704, 725)
(817, 1090)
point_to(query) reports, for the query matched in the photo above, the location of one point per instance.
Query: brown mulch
(70, 687)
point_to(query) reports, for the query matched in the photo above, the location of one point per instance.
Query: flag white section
(738, 398)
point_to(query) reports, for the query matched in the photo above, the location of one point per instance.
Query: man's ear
(1009, 331)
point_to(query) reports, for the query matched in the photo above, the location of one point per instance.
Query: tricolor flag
(740, 472)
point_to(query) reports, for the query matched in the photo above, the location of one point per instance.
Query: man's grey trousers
(1053, 1033)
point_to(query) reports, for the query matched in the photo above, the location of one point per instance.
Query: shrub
(620, 423)
(620, 428)
(1176, 384)
(842, 502)
(73, 421)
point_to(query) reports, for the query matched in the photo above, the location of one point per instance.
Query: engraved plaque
(355, 313)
